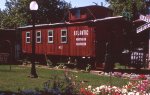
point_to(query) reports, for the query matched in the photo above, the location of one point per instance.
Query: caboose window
(64, 36)
(77, 14)
(50, 36)
(38, 37)
(28, 37)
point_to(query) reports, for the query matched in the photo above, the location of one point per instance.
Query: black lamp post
(33, 8)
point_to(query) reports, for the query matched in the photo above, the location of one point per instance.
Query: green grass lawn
(18, 78)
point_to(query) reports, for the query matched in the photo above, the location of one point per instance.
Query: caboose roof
(68, 23)
(92, 6)
(108, 18)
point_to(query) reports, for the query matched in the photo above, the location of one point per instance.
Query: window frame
(51, 36)
(28, 37)
(37, 37)
(78, 13)
(63, 42)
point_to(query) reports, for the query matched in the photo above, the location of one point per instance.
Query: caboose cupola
(88, 13)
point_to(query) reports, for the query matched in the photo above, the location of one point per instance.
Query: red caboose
(82, 38)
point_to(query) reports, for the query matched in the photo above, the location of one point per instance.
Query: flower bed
(138, 85)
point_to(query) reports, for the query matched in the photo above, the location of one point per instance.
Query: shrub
(49, 63)
(62, 86)
(88, 68)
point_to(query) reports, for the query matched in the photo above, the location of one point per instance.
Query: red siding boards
(26, 46)
(80, 41)
(61, 48)
(50, 47)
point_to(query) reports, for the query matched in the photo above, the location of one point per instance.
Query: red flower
(85, 92)
(142, 77)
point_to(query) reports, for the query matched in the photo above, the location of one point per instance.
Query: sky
(75, 3)
(2, 4)
(81, 3)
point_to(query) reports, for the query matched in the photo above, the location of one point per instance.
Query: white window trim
(52, 36)
(64, 36)
(28, 37)
(38, 37)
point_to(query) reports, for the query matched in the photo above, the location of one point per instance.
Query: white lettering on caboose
(80, 41)
(81, 44)
(81, 37)
(81, 32)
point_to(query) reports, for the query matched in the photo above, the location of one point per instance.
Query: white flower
(89, 87)
(117, 90)
(131, 93)
(94, 90)
(109, 88)
(147, 94)
(98, 89)
(102, 87)
(124, 91)
(137, 93)
(114, 87)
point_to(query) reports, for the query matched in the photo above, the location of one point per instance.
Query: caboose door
(61, 41)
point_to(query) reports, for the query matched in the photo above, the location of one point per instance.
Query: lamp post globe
(33, 7)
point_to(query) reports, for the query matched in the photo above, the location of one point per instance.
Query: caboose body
(83, 37)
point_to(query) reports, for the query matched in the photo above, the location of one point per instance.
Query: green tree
(127, 8)
(17, 12)
(1, 18)
(51, 11)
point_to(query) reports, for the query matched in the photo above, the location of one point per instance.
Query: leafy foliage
(127, 8)
(17, 12)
